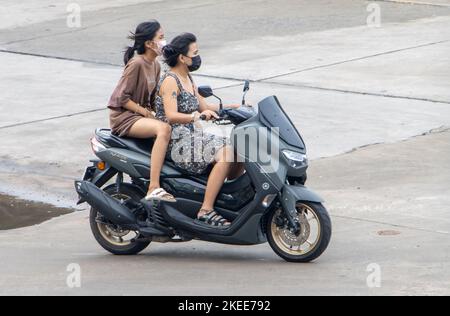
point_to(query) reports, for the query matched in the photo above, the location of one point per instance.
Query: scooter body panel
(246, 228)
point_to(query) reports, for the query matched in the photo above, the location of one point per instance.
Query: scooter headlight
(295, 159)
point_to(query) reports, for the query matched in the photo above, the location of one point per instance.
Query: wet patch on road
(16, 213)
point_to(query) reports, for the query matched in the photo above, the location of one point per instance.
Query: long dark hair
(178, 46)
(144, 32)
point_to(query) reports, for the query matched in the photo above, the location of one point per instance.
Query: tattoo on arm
(174, 95)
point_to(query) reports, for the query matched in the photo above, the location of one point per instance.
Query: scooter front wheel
(304, 245)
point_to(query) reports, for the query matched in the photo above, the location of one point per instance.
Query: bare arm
(136, 108)
(169, 92)
(210, 111)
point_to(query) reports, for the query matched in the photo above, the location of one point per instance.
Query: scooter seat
(142, 146)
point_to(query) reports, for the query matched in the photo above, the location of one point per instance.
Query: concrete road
(395, 218)
(360, 95)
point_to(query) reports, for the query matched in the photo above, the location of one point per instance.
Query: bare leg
(146, 128)
(217, 177)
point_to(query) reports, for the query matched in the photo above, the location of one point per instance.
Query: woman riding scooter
(131, 103)
(179, 103)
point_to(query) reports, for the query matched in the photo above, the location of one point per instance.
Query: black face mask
(196, 63)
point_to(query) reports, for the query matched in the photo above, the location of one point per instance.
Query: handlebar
(222, 120)
(222, 116)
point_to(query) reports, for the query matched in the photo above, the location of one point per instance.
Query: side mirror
(246, 85)
(246, 88)
(205, 91)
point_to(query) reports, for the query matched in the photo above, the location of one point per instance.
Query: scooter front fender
(293, 193)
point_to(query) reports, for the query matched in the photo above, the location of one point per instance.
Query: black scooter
(268, 203)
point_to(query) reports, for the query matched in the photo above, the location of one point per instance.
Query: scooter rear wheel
(112, 238)
(310, 243)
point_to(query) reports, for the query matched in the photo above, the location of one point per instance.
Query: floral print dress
(190, 148)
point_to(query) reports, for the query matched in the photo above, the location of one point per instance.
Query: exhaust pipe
(110, 208)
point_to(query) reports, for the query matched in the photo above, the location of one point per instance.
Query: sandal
(160, 195)
(213, 218)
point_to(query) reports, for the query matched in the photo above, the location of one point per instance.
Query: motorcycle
(268, 203)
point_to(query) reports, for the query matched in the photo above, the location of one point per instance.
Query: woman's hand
(195, 116)
(209, 115)
(146, 113)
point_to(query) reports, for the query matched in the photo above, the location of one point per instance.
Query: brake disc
(291, 238)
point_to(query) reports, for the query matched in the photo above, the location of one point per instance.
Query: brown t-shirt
(138, 84)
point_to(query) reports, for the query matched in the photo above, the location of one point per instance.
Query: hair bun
(169, 50)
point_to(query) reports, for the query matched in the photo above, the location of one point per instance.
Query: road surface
(373, 104)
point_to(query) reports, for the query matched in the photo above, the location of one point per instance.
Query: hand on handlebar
(208, 115)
